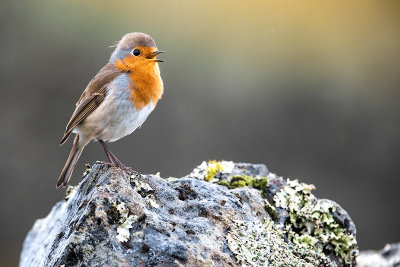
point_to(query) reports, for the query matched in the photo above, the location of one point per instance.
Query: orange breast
(146, 85)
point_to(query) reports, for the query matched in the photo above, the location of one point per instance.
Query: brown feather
(73, 157)
(91, 98)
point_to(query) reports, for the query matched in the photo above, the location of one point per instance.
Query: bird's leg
(107, 151)
(111, 157)
(114, 161)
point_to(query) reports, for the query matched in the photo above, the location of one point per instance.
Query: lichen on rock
(221, 214)
(312, 225)
(263, 244)
(209, 171)
(228, 174)
(126, 221)
(70, 191)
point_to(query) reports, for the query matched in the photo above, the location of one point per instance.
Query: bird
(116, 101)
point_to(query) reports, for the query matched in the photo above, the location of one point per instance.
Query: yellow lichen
(214, 167)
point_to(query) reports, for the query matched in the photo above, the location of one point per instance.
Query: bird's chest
(117, 116)
(145, 86)
(126, 118)
(125, 113)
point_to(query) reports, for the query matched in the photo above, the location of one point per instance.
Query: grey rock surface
(389, 256)
(208, 218)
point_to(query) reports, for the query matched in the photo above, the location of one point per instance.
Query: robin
(117, 100)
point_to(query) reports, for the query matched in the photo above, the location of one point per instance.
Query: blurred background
(309, 88)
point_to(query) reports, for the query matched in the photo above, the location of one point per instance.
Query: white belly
(116, 116)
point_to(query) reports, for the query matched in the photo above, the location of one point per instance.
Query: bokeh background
(310, 88)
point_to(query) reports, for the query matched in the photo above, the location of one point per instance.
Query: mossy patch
(220, 172)
(311, 222)
(310, 230)
(271, 211)
(239, 181)
(211, 170)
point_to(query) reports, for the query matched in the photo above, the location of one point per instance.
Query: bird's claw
(127, 169)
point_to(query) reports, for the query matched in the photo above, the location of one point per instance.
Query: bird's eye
(136, 52)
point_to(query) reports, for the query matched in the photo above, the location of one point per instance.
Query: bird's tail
(73, 157)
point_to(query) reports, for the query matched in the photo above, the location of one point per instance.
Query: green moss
(311, 226)
(239, 181)
(271, 211)
(224, 183)
(260, 184)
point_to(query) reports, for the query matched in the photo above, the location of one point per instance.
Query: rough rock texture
(222, 214)
(389, 256)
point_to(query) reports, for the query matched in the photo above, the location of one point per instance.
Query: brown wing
(91, 98)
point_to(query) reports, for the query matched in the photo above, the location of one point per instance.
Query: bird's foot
(120, 165)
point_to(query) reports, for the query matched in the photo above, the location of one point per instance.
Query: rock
(389, 256)
(222, 214)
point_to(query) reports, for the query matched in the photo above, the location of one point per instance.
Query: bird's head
(135, 50)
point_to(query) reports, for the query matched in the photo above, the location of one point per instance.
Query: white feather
(116, 116)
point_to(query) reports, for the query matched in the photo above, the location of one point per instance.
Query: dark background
(310, 88)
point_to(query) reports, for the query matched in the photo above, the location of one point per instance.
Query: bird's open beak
(154, 54)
